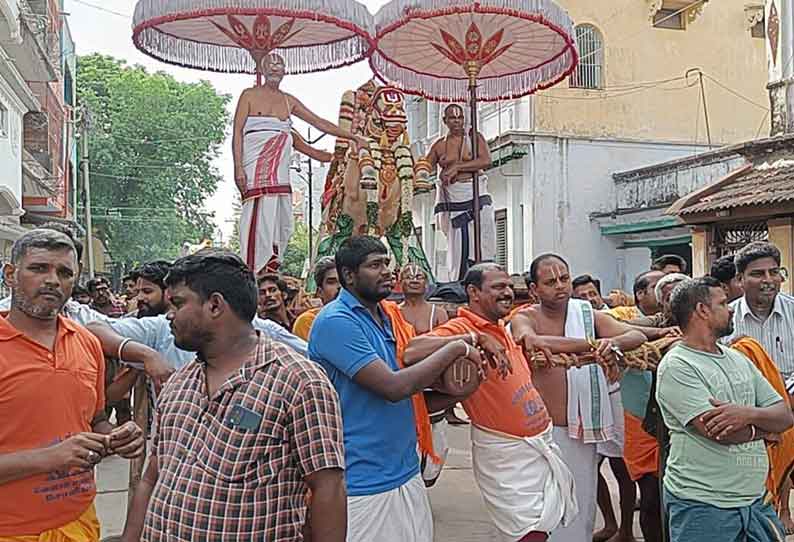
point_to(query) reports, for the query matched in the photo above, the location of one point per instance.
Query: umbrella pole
(475, 176)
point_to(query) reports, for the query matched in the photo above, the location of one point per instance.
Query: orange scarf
(781, 454)
(403, 333)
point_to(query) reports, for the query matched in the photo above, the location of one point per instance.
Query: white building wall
(11, 114)
(549, 196)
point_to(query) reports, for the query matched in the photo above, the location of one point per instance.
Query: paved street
(458, 509)
(457, 506)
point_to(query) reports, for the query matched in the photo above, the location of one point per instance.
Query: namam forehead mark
(412, 269)
(453, 111)
(558, 270)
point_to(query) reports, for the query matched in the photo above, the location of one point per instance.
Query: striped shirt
(776, 334)
(232, 466)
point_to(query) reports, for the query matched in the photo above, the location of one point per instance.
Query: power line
(106, 10)
(122, 207)
(603, 93)
(132, 177)
(158, 141)
(735, 93)
(761, 125)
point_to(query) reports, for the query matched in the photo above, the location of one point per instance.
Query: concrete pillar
(779, 21)
(701, 262)
(781, 234)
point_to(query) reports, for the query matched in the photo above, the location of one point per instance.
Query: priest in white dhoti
(578, 398)
(262, 144)
(455, 205)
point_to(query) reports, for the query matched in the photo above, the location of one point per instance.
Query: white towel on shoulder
(589, 408)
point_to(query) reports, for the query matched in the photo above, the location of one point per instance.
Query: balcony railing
(43, 19)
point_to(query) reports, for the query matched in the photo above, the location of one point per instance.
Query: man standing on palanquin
(262, 146)
(455, 193)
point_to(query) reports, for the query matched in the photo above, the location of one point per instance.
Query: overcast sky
(95, 30)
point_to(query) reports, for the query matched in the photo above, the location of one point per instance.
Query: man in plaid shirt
(244, 431)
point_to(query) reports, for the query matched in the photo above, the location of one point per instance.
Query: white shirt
(155, 331)
(776, 334)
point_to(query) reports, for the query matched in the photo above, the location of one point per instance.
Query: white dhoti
(525, 483)
(266, 221)
(400, 515)
(582, 461)
(454, 207)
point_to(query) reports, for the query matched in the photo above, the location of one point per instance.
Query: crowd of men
(282, 415)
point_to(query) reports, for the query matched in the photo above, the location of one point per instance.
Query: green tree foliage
(152, 141)
(297, 251)
(233, 243)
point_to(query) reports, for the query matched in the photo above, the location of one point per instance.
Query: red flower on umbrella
(474, 52)
(260, 39)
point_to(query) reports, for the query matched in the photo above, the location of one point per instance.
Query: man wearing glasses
(763, 313)
(767, 316)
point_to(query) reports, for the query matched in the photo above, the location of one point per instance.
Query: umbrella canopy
(227, 35)
(435, 48)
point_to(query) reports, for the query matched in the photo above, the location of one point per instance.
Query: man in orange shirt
(51, 401)
(526, 486)
(327, 280)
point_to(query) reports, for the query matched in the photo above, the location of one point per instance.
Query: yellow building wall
(718, 41)
(781, 234)
(701, 262)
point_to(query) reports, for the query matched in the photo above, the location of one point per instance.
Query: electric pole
(84, 162)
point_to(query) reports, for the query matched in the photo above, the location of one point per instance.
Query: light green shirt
(700, 469)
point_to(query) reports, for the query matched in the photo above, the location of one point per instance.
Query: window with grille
(501, 237)
(589, 72)
(433, 118)
(3, 120)
(758, 30)
(673, 19)
(731, 237)
(421, 119)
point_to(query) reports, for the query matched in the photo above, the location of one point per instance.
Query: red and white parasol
(464, 50)
(512, 47)
(231, 35)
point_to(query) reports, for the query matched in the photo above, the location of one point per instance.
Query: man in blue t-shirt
(353, 339)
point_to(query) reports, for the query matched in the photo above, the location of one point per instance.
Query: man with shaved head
(455, 205)
(578, 398)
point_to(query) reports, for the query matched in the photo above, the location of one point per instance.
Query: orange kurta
(45, 397)
(510, 405)
(781, 454)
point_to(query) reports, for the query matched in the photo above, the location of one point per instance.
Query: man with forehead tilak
(577, 399)
(455, 195)
(262, 143)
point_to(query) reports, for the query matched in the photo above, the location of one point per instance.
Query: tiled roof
(766, 184)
